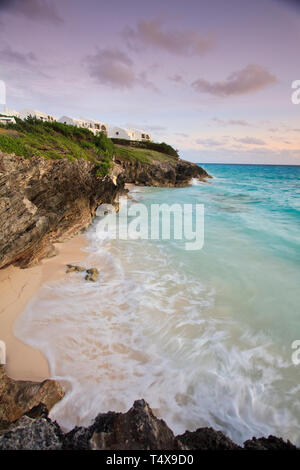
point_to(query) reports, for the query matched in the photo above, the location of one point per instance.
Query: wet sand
(17, 287)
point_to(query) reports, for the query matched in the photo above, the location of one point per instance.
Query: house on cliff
(129, 134)
(74, 122)
(97, 126)
(70, 121)
(142, 135)
(7, 120)
(10, 112)
(94, 126)
(25, 113)
(120, 133)
(82, 123)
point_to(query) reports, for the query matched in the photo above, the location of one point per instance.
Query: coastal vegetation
(53, 140)
(142, 155)
(158, 147)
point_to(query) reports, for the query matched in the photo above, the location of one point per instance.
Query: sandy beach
(17, 287)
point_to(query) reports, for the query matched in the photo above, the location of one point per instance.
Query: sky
(213, 78)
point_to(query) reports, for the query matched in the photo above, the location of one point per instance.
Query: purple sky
(212, 78)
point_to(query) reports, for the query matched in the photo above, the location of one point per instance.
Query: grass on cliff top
(141, 155)
(54, 140)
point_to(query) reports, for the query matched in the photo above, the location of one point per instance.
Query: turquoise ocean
(204, 336)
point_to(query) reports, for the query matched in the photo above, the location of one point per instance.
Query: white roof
(131, 131)
(70, 118)
(121, 129)
(141, 131)
(35, 112)
(93, 121)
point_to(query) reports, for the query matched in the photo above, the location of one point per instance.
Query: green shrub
(12, 145)
(105, 145)
(103, 166)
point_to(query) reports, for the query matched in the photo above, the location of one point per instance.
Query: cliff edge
(43, 201)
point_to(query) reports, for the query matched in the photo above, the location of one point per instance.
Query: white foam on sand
(148, 329)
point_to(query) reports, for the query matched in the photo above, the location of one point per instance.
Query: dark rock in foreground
(32, 434)
(138, 429)
(207, 439)
(270, 443)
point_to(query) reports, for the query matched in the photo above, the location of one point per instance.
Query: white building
(70, 121)
(10, 112)
(25, 113)
(97, 126)
(129, 134)
(94, 126)
(83, 123)
(120, 133)
(8, 116)
(142, 135)
(7, 120)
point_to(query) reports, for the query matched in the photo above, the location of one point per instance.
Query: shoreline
(17, 287)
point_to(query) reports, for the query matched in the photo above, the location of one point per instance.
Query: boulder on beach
(92, 275)
(72, 268)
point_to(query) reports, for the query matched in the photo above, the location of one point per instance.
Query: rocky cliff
(44, 201)
(172, 173)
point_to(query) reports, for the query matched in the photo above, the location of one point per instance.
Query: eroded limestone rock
(17, 397)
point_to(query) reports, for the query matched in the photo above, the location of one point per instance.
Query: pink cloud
(248, 80)
(180, 42)
(113, 67)
(32, 9)
(251, 141)
(231, 122)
